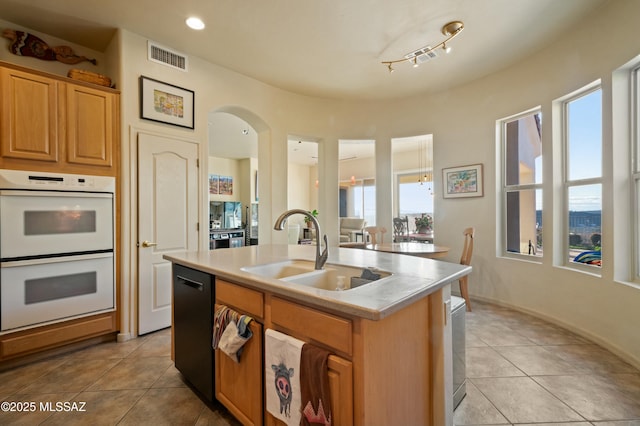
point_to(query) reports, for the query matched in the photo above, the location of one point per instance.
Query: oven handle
(57, 259)
(186, 281)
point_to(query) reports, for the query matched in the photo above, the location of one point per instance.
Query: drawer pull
(193, 284)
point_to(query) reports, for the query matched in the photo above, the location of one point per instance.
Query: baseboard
(616, 350)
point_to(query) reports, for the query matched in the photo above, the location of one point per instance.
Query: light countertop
(413, 277)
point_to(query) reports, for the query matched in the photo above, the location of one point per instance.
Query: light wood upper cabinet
(29, 116)
(90, 118)
(56, 124)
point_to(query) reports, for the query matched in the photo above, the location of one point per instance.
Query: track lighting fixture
(450, 30)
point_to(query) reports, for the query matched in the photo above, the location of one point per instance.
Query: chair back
(373, 232)
(400, 229)
(467, 250)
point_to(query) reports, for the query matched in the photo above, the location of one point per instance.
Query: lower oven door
(43, 291)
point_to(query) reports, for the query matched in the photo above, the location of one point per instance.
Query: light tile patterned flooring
(521, 371)
(131, 383)
(524, 371)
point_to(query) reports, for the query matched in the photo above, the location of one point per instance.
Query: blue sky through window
(585, 149)
(415, 198)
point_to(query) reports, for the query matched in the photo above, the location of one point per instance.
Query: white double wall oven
(57, 238)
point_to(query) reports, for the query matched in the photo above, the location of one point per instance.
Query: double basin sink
(332, 277)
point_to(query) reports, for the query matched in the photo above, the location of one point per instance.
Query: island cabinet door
(341, 384)
(239, 384)
(331, 332)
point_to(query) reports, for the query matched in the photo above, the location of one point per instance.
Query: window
(415, 197)
(357, 182)
(582, 128)
(364, 200)
(413, 174)
(522, 184)
(635, 111)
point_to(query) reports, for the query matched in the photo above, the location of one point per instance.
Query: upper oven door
(36, 224)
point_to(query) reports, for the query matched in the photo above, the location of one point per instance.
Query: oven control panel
(22, 179)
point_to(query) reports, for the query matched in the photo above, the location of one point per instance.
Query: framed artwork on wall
(166, 103)
(226, 185)
(214, 184)
(464, 181)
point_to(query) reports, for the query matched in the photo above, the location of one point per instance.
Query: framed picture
(226, 185)
(213, 184)
(465, 181)
(166, 103)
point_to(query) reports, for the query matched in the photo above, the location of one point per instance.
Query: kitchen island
(390, 338)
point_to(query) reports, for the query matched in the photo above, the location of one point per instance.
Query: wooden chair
(373, 232)
(400, 229)
(465, 259)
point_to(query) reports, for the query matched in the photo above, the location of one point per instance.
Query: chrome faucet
(321, 258)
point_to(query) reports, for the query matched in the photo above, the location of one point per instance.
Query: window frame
(506, 188)
(634, 115)
(568, 183)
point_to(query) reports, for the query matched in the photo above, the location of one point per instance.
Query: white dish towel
(282, 376)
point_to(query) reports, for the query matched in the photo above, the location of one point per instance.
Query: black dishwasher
(193, 327)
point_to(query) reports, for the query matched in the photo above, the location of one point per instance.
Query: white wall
(54, 67)
(361, 168)
(462, 121)
(301, 191)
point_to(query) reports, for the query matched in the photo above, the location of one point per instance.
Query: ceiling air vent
(168, 57)
(422, 55)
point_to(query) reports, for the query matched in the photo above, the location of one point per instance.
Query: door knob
(146, 243)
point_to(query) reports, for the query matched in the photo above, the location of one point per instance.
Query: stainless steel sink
(302, 272)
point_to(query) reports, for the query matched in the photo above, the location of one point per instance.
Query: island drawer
(330, 330)
(243, 299)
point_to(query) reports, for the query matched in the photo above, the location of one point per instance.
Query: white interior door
(167, 221)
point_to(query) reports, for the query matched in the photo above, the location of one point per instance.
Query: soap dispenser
(341, 283)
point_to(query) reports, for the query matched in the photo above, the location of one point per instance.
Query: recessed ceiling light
(195, 23)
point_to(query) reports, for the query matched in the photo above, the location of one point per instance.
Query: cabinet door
(239, 385)
(90, 126)
(29, 116)
(341, 385)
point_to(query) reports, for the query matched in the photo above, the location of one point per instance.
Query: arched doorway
(235, 139)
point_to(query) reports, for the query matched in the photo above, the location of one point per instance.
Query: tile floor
(131, 383)
(521, 371)
(525, 371)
